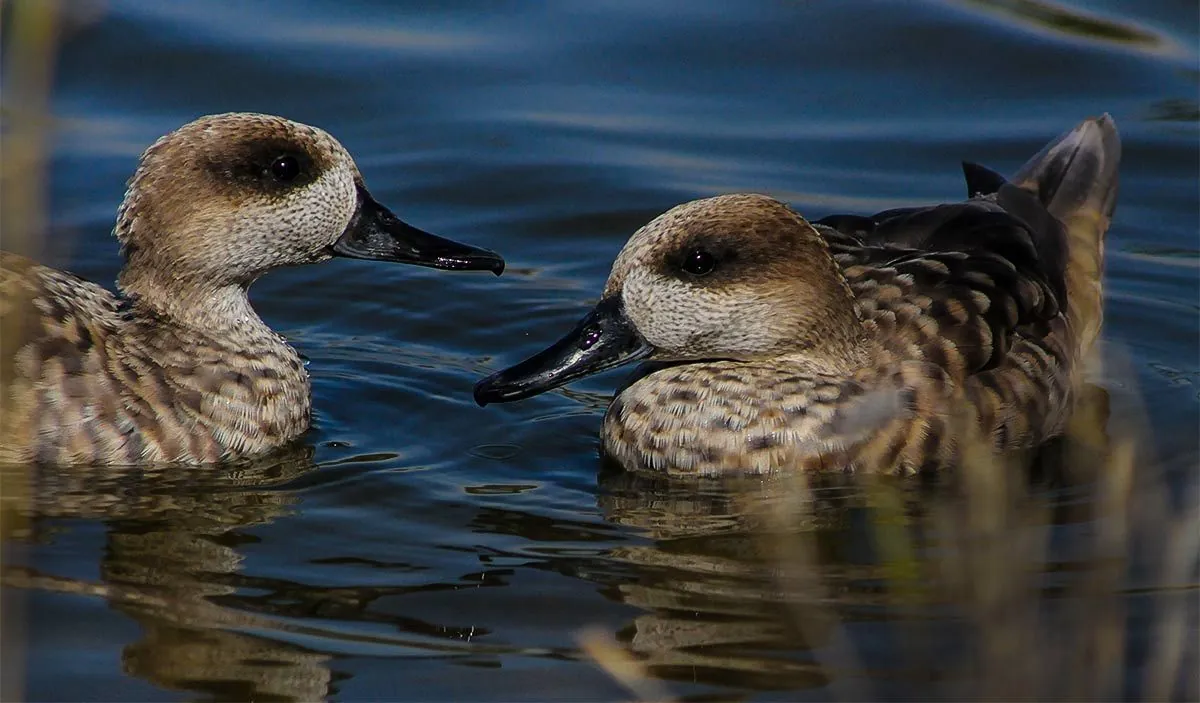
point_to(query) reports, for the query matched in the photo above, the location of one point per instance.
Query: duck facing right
(852, 343)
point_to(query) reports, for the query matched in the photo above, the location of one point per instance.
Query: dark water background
(424, 548)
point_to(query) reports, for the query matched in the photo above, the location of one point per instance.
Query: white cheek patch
(674, 316)
(652, 304)
(334, 200)
(320, 213)
(693, 321)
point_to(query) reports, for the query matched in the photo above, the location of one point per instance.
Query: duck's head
(226, 198)
(737, 277)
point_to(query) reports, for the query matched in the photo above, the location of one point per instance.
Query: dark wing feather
(953, 284)
(981, 180)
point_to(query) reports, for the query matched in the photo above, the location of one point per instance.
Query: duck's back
(52, 359)
(89, 377)
(1000, 294)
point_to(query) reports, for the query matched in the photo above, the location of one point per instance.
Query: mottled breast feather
(89, 377)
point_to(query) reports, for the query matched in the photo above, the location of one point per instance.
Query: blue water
(420, 547)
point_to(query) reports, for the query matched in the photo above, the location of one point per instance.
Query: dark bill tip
(602, 340)
(375, 234)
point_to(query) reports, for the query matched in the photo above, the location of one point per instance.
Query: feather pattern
(94, 377)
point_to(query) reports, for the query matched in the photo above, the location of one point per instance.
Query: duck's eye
(699, 262)
(285, 168)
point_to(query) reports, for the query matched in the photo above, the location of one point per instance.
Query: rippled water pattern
(420, 547)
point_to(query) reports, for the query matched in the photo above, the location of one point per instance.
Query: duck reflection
(171, 556)
(703, 562)
(714, 611)
(757, 582)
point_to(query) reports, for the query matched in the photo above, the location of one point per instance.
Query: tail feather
(1075, 178)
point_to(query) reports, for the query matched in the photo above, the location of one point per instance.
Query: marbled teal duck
(176, 366)
(851, 343)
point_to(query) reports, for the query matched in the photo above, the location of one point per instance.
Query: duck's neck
(846, 358)
(255, 389)
(832, 340)
(219, 310)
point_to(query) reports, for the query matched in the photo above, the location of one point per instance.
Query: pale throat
(206, 306)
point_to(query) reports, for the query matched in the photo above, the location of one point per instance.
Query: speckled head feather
(737, 277)
(205, 204)
(854, 342)
(178, 367)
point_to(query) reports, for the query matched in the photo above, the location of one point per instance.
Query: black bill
(602, 340)
(376, 234)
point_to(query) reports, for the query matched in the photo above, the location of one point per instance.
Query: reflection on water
(844, 585)
(1176, 110)
(170, 558)
(1002, 582)
(712, 610)
(1075, 22)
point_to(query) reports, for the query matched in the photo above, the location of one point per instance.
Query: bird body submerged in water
(177, 366)
(852, 343)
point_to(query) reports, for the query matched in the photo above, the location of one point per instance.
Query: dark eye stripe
(271, 165)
